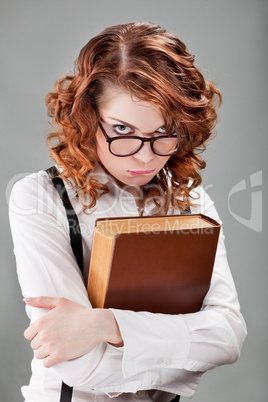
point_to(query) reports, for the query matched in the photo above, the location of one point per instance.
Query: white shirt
(161, 352)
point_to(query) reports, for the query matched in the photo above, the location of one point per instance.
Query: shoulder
(200, 199)
(203, 204)
(31, 191)
(30, 183)
(35, 195)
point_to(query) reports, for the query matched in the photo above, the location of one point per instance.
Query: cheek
(102, 147)
(162, 161)
(109, 161)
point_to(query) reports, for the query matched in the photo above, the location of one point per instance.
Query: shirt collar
(100, 174)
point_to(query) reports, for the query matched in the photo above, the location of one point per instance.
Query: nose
(145, 154)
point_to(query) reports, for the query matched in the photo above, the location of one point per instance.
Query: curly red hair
(154, 65)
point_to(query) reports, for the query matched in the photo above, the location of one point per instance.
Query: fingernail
(28, 299)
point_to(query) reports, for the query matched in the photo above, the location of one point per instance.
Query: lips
(140, 172)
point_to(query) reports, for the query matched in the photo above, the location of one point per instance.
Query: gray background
(39, 40)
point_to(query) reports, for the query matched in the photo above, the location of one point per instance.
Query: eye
(122, 130)
(161, 130)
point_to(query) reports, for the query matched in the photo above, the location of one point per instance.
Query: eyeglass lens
(125, 146)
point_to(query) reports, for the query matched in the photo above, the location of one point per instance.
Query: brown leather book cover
(156, 264)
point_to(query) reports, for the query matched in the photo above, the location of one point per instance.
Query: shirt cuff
(152, 340)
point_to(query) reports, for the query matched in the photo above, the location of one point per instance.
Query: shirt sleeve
(46, 265)
(194, 342)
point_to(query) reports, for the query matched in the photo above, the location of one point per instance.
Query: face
(124, 114)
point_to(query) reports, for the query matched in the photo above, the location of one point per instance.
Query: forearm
(193, 342)
(160, 351)
(110, 329)
(69, 330)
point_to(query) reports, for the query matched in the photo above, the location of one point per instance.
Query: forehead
(117, 104)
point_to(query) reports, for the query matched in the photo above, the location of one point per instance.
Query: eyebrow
(130, 125)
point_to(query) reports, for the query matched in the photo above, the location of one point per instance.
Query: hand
(69, 330)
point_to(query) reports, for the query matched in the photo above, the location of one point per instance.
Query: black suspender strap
(176, 399)
(76, 243)
(74, 228)
(66, 393)
(186, 211)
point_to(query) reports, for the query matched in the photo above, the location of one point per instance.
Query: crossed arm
(69, 330)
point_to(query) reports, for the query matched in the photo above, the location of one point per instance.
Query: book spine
(99, 270)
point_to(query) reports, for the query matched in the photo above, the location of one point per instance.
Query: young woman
(131, 121)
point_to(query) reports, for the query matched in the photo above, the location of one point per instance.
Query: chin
(138, 181)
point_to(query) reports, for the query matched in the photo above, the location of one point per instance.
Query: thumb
(41, 302)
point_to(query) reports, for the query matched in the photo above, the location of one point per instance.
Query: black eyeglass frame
(142, 139)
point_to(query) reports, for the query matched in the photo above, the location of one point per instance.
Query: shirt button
(160, 361)
(158, 383)
(168, 362)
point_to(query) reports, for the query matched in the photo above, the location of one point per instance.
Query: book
(160, 264)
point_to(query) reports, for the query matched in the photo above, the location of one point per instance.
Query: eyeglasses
(127, 145)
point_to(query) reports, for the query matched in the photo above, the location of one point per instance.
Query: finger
(42, 302)
(41, 353)
(36, 343)
(30, 332)
(50, 361)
